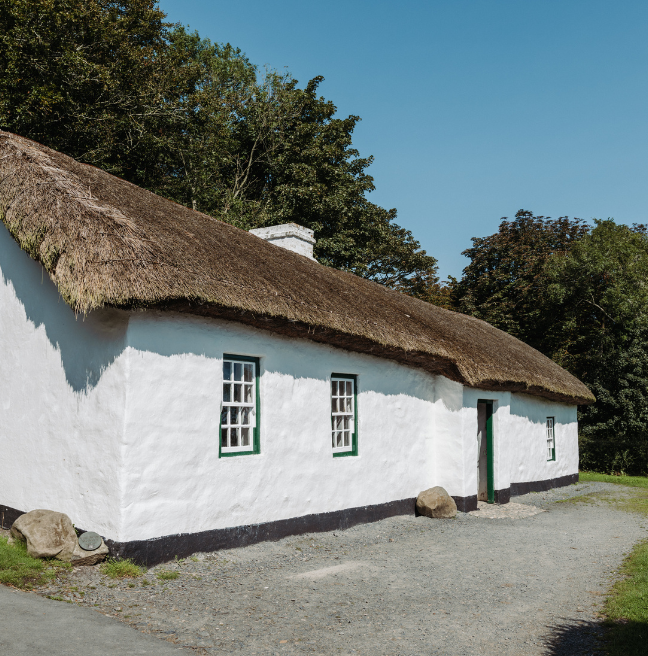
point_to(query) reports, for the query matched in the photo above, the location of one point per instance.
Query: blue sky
(473, 109)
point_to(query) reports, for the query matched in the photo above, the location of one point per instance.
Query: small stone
(436, 503)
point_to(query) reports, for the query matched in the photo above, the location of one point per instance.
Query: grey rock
(50, 534)
(436, 503)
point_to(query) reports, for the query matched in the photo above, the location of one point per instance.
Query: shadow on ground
(584, 638)
(624, 638)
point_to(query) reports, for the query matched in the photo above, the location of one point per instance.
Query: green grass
(165, 575)
(121, 569)
(19, 569)
(630, 481)
(626, 609)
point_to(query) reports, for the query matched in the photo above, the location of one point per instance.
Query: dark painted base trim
(8, 516)
(466, 504)
(518, 489)
(503, 496)
(160, 550)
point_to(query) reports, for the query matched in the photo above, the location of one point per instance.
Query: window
(344, 418)
(551, 439)
(239, 424)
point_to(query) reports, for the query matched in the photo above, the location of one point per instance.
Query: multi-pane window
(239, 411)
(343, 414)
(551, 439)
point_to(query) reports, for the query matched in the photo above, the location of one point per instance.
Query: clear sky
(473, 109)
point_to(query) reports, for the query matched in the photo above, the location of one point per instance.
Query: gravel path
(406, 585)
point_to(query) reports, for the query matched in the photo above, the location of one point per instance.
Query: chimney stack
(290, 236)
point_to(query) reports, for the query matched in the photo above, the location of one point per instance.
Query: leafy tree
(86, 77)
(110, 83)
(601, 288)
(580, 296)
(505, 282)
(613, 433)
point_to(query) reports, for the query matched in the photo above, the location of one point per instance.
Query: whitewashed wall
(62, 394)
(175, 479)
(113, 419)
(527, 439)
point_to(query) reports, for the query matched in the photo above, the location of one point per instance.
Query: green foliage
(166, 575)
(626, 609)
(110, 83)
(19, 569)
(86, 77)
(600, 286)
(121, 569)
(506, 282)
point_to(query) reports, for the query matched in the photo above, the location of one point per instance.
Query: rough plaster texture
(62, 398)
(113, 419)
(176, 481)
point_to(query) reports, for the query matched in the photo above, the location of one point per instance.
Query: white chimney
(290, 236)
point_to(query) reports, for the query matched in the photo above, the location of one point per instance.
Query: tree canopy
(579, 295)
(505, 282)
(110, 83)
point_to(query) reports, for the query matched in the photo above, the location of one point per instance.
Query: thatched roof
(106, 242)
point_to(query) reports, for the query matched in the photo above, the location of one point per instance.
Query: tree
(87, 77)
(579, 296)
(505, 282)
(601, 288)
(110, 83)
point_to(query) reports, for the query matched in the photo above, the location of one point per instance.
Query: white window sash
(551, 438)
(240, 405)
(345, 413)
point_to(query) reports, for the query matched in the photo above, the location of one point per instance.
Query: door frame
(490, 473)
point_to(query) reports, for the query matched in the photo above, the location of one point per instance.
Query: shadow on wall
(88, 345)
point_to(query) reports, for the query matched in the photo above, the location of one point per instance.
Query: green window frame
(240, 412)
(344, 415)
(551, 439)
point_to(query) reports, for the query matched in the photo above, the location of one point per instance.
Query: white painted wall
(62, 394)
(527, 439)
(175, 479)
(113, 419)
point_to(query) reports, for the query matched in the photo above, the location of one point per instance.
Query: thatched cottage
(177, 384)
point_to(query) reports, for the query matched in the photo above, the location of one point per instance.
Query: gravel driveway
(406, 585)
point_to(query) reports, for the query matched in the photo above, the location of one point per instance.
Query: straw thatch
(107, 242)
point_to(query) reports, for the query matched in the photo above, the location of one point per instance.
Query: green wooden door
(490, 475)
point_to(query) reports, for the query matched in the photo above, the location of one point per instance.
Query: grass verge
(626, 609)
(629, 481)
(19, 569)
(121, 569)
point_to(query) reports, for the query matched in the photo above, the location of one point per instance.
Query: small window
(239, 423)
(344, 419)
(551, 439)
